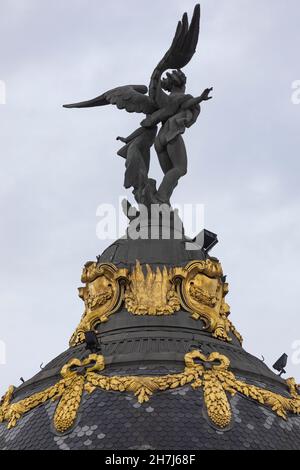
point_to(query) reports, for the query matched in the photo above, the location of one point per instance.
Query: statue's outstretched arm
(178, 56)
(190, 103)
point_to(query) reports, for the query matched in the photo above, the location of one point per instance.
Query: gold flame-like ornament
(151, 294)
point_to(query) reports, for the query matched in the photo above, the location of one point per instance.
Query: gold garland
(211, 373)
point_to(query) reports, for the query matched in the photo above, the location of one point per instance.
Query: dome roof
(162, 378)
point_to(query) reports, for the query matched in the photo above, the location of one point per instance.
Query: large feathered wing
(180, 53)
(184, 43)
(132, 98)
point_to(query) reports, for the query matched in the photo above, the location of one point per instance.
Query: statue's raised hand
(205, 95)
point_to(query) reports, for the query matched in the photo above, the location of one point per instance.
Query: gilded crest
(202, 290)
(102, 295)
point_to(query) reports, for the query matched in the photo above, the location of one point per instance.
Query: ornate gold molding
(211, 373)
(199, 288)
(102, 296)
(5, 404)
(151, 294)
(202, 291)
(69, 390)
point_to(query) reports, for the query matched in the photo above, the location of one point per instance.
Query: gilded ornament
(102, 296)
(210, 373)
(202, 291)
(199, 288)
(68, 391)
(151, 294)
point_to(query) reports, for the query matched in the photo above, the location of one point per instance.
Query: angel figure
(165, 104)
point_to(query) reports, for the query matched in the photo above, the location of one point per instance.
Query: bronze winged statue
(165, 104)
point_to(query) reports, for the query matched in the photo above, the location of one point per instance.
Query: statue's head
(174, 81)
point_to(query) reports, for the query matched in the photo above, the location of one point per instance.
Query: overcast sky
(58, 165)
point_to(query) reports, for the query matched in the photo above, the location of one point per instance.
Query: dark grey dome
(125, 252)
(171, 419)
(149, 346)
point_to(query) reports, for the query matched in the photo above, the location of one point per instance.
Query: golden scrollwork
(102, 296)
(151, 294)
(202, 291)
(210, 373)
(199, 288)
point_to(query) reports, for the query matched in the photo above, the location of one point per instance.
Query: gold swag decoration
(209, 373)
(199, 288)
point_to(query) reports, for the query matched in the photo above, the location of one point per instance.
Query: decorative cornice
(199, 288)
(210, 373)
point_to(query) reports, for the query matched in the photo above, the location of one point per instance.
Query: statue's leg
(177, 157)
(162, 153)
(138, 156)
(138, 162)
(133, 164)
(136, 170)
(146, 143)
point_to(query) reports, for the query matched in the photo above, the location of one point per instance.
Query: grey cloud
(58, 165)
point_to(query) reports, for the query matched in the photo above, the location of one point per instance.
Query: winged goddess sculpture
(165, 104)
